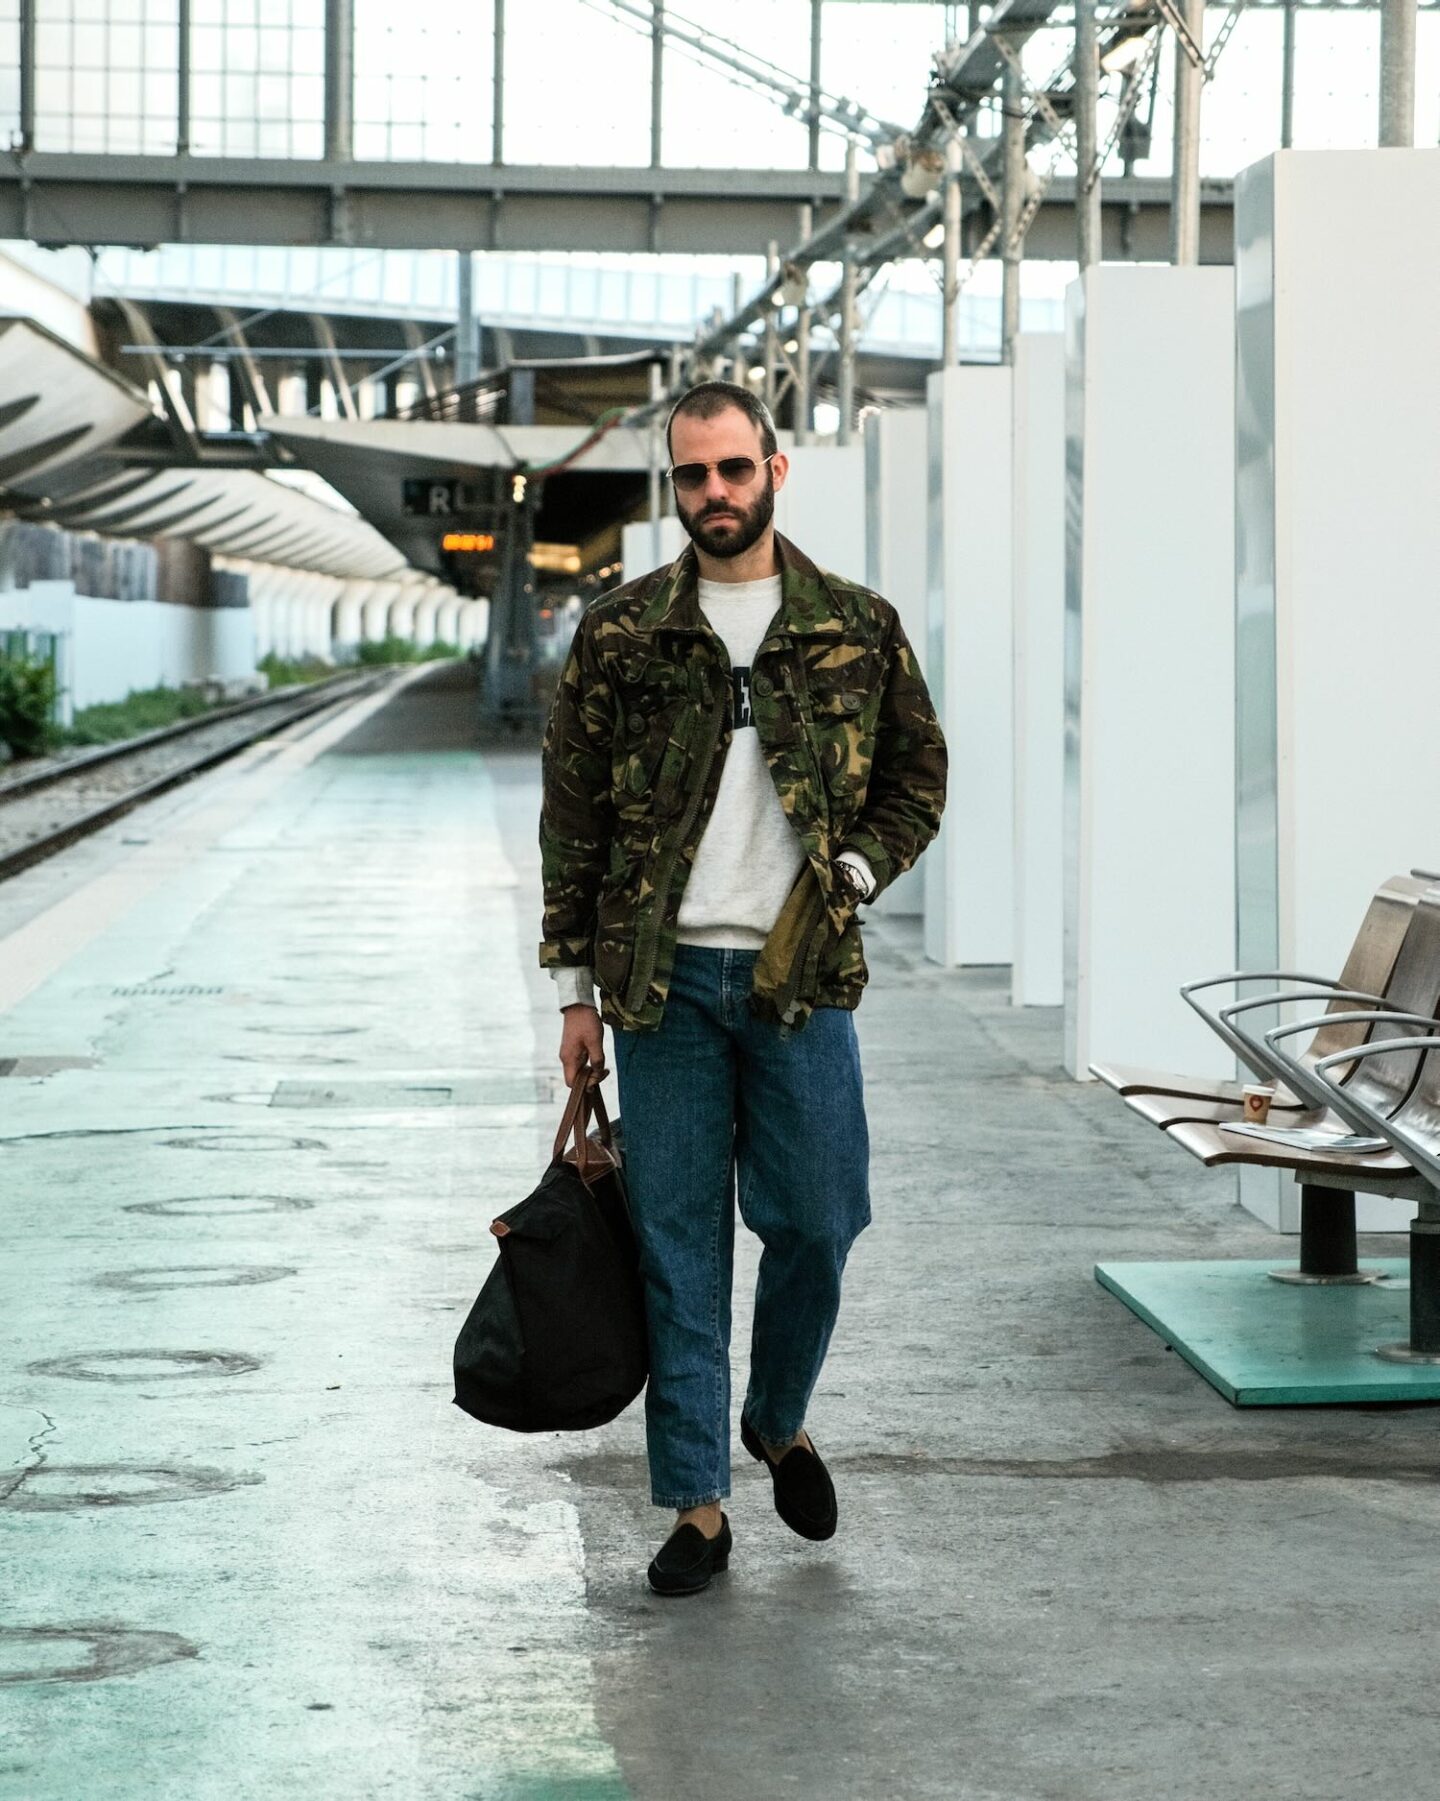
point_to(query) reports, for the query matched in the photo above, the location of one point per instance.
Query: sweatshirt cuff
(574, 985)
(862, 868)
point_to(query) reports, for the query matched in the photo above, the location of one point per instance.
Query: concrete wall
(895, 461)
(1149, 776)
(1038, 577)
(114, 647)
(1338, 545)
(969, 872)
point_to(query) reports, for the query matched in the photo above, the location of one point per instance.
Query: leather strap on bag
(586, 1103)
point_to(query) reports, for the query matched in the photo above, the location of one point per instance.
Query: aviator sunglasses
(735, 472)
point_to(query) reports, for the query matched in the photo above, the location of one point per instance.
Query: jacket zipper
(645, 967)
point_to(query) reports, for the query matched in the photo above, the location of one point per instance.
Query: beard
(726, 529)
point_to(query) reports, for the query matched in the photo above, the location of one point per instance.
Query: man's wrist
(574, 986)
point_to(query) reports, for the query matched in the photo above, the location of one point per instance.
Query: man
(741, 750)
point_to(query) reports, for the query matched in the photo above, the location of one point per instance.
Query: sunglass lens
(737, 470)
(688, 475)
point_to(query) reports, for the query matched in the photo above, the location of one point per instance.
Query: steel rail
(311, 699)
(34, 780)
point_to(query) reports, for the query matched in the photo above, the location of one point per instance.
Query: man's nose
(715, 487)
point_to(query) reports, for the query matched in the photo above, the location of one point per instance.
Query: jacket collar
(808, 604)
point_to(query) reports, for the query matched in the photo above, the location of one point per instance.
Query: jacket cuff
(865, 848)
(574, 985)
(861, 865)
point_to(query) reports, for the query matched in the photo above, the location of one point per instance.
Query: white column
(968, 663)
(1149, 680)
(376, 611)
(1038, 576)
(821, 508)
(1337, 548)
(895, 453)
(347, 622)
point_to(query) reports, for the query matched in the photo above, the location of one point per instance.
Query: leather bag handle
(586, 1103)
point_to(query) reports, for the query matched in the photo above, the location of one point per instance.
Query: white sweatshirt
(749, 854)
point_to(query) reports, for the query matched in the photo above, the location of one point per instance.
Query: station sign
(443, 497)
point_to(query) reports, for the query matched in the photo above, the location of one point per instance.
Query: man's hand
(582, 1041)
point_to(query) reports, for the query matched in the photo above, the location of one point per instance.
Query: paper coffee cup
(1257, 1098)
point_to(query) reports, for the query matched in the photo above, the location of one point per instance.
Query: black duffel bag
(556, 1339)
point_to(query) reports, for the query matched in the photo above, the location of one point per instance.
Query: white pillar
(1038, 576)
(447, 619)
(376, 611)
(426, 607)
(1337, 546)
(895, 526)
(1149, 679)
(821, 508)
(969, 872)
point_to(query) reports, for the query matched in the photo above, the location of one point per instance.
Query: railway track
(47, 809)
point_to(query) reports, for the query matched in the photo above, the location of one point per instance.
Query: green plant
(28, 693)
(146, 710)
(282, 672)
(440, 651)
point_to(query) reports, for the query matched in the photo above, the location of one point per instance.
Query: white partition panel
(1038, 575)
(895, 453)
(969, 872)
(1149, 774)
(1337, 552)
(821, 508)
(638, 542)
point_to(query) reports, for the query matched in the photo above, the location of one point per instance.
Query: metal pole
(652, 472)
(1287, 78)
(802, 343)
(772, 330)
(1185, 183)
(950, 258)
(467, 338)
(657, 83)
(1012, 198)
(816, 37)
(1397, 74)
(497, 88)
(27, 76)
(339, 81)
(182, 79)
(1087, 137)
(848, 288)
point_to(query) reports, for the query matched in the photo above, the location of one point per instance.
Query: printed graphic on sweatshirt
(740, 695)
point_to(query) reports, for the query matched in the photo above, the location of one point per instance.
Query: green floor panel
(1271, 1344)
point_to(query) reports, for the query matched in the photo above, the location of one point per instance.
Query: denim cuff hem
(681, 1502)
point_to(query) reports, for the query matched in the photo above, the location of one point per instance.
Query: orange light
(468, 541)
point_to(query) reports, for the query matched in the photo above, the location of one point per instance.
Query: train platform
(274, 1050)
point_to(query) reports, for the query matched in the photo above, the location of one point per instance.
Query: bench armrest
(1325, 1091)
(1393, 1128)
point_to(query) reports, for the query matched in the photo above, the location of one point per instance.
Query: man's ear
(779, 469)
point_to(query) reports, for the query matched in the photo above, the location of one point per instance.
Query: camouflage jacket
(631, 765)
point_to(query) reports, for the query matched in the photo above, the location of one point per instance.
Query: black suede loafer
(687, 1560)
(804, 1493)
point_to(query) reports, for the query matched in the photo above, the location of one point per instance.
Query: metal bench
(1394, 968)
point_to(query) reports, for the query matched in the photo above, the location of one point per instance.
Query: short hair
(708, 398)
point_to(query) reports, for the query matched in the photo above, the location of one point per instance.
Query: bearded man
(741, 752)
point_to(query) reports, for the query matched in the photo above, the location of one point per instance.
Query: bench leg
(1423, 1345)
(1327, 1241)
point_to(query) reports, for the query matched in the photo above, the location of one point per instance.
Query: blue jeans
(710, 1095)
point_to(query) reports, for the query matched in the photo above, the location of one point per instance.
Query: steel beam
(1012, 194)
(1189, 83)
(817, 38)
(849, 291)
(1287, 78)
(182, 78)
(467, 336)
(1087, 138)
(497, 88)
(339, 80)
(952, 204)
(657, 92)
(1397, 74)
(27, 76)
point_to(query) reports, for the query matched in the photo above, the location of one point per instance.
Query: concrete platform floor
(278, 1050)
